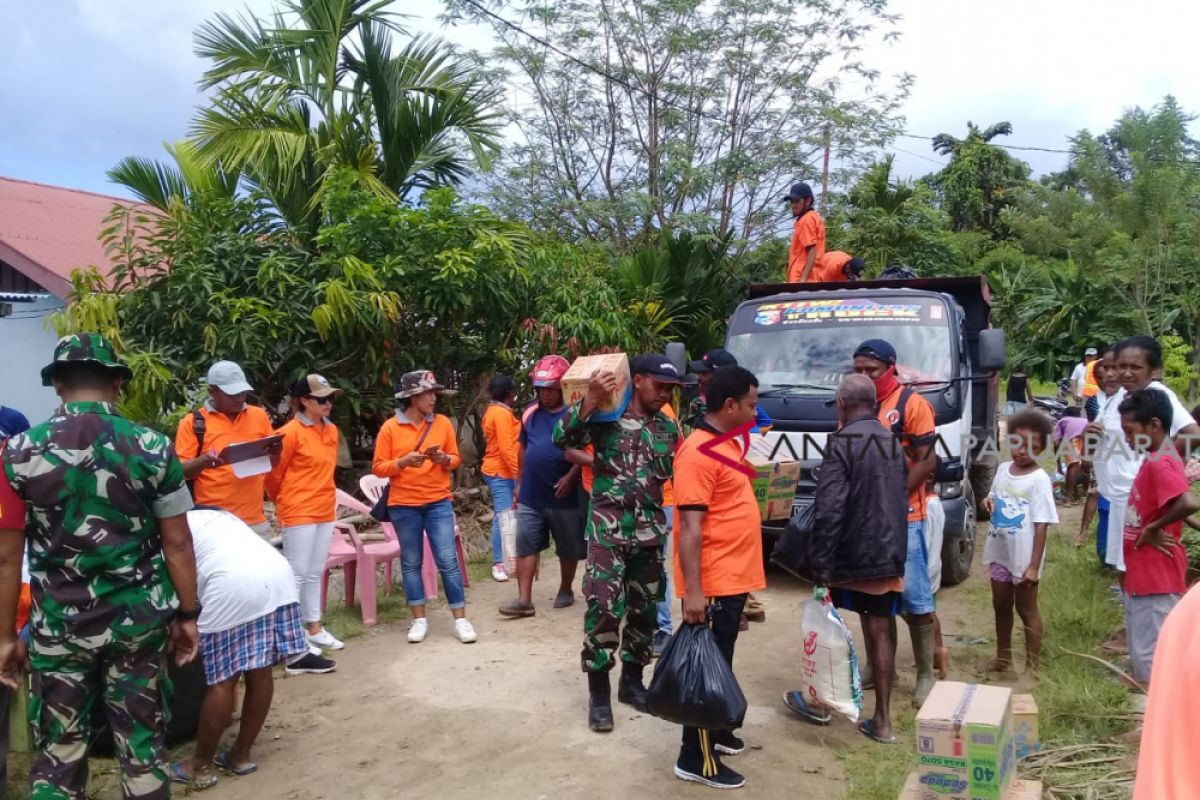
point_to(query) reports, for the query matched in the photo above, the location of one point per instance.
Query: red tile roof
(46, 232)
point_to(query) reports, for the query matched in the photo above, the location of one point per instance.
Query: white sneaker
(326, 640)
(499, 573)
(464, 631)
(418, 630)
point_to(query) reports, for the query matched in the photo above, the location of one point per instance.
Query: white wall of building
(27, 345)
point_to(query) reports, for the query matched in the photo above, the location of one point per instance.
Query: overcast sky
(87, 82)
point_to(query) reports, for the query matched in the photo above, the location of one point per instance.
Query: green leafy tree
(980, 180)
(711, 110)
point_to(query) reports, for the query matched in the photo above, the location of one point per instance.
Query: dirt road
(506, 718)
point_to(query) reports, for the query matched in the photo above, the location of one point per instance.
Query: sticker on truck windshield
(799, 312)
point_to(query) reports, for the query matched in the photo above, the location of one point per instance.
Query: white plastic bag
(508, 539)
(828, 666)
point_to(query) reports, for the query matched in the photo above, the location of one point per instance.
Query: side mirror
(992, 350)
(677, 354)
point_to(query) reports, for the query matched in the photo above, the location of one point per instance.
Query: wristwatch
(187, 616)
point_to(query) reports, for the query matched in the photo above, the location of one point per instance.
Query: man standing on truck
(808, 236)
(909, 415)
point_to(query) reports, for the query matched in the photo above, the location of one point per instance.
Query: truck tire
(958, 553)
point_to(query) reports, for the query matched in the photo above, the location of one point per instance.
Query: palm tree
(168, 187)
(321, 88)
(946, 145)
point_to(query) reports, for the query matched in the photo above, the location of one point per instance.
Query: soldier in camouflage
(113, 576)
(626, 528)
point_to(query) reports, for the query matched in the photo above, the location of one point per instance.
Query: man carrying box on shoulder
(626, 527)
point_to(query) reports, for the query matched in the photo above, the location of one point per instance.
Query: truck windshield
(806, 346)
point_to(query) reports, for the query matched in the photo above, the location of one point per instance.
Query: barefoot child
(1155, 560)
(1021, 505)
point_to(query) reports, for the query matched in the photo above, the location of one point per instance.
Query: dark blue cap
(12, 422)
(877, 349)
(799, 191)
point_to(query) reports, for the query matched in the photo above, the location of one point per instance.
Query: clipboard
(245, 451)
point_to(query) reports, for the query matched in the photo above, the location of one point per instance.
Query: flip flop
(196, 784)
(795, 703)
(222, 761)
(867, 728)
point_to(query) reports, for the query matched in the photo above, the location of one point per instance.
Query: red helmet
(548, 371)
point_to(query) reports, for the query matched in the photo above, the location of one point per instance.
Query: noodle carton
(774, 485)
(1025, 725)
(575, 384)
(965, 748)
(1021, 790)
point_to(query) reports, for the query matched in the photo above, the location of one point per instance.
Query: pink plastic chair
(368, 557)
(372, 488)
(343, 554)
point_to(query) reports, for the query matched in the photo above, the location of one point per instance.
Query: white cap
(228, 377)
(1091, 351)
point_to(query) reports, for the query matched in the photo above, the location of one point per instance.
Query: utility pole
(825, 172)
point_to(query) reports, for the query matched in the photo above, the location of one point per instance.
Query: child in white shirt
(1021, 505)
(935, 526)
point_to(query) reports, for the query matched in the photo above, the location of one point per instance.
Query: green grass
(346, 623)
(1079, 701)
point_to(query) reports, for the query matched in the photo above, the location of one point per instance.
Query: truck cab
(799, 340)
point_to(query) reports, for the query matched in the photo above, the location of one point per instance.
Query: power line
(701, 113)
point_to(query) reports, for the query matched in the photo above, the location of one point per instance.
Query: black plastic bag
(693, 684)
(791, 551)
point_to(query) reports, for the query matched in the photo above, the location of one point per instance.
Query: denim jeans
(664, 607)
(502, 500)
(436, 520)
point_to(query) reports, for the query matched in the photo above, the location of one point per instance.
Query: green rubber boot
(923, 646)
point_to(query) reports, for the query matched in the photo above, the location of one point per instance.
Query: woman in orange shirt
(500, 431)
(417, 450)
(305, 496)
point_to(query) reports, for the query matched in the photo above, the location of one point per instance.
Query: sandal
(795, 703)
(222, 761)
(867, 728)
(197, 783)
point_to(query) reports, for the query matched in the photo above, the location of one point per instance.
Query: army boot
(631, 690)
(600, 716)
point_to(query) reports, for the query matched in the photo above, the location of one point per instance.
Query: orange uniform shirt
(301, 484)
(918, 424)
(501, 432)
(830, 267)
(415, 486)
(218, 486)
(1167, 765)
(809, 232)
(731, 560)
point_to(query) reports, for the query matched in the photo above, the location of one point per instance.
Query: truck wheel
(958, 554)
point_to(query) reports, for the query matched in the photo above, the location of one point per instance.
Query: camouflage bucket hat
(85, 347)
(418, 382)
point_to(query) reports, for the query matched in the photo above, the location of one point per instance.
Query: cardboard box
(1021, 790)
(774, 485)
(575, 383)
(1025, 725)
(965, 749)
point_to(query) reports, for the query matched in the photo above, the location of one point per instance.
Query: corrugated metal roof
(46, 232)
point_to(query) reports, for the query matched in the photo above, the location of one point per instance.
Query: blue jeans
(436, 520)
(917, 597)
(1102, 530)
(502, 500)
(664, 606)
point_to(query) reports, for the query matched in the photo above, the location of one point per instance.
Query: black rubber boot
(600, 716)
(631, 690)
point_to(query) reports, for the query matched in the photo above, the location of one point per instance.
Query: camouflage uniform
(95, 485)
(625, 532)
(695, 411)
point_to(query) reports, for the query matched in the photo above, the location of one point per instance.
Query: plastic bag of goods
(694, 685)
(508, 538)
(828, 665)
